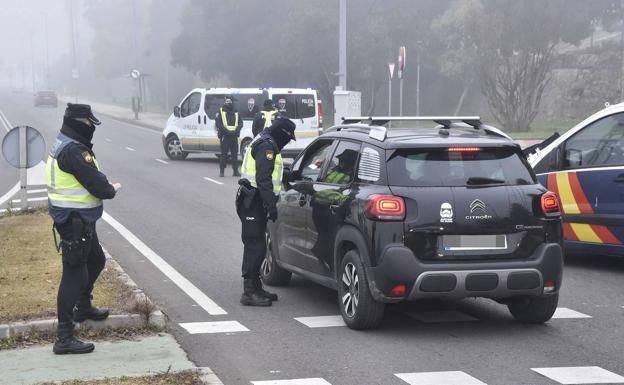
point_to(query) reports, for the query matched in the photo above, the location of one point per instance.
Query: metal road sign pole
(23, 156)
(342, 43)
(401, 97)
(391, 69)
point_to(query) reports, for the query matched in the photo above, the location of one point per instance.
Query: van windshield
(296, 106)
(444, 168)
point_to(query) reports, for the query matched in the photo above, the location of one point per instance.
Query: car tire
(358, 308)
(535, 310)
(243, 147)
(173, 149)
(270, 272)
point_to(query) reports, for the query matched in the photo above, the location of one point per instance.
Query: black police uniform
(259, 120)
(228, 139)
(254, 213)
(80, 269)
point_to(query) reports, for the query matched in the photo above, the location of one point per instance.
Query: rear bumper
(456, 280)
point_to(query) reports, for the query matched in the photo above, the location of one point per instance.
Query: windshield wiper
(475, 180)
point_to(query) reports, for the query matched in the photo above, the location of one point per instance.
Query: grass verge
(186, 377)
(30, 271)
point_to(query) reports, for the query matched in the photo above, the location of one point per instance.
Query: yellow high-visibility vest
(268, 116)
(225, 122)
(64, 190)
(248, 170)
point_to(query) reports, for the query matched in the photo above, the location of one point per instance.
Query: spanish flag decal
(574, 201)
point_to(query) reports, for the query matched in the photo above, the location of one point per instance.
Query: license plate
(474, 242)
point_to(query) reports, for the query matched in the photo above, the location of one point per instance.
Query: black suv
(389, 215)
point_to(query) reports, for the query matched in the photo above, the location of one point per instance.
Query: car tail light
(464, 149)
(549, 287)
(385, 207)
(320, 114)
(550, 205)
(398, 291)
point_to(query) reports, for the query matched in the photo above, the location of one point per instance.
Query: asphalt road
(189, 221)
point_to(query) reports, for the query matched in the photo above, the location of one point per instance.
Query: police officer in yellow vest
(229, 124)
(263, 172)
(76, 188)
(264, 118)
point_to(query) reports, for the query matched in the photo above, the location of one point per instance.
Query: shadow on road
(595, 262)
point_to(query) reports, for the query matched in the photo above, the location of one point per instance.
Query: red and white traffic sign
(401, 61)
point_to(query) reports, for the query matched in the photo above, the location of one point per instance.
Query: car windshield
(453, 168)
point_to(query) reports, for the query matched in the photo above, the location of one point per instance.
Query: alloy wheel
(174, 148)
(351, 288)
(267, 262)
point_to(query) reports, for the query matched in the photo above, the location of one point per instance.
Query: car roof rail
(446, 121)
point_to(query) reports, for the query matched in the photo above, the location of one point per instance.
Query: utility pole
(391, 69)
(342, 42)
(75, 74)
(418, 84)
(138, 91)
(45, 26)
(32, 60)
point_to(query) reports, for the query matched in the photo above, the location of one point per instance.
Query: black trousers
(253, 234)
(79, 274)
(229, 144)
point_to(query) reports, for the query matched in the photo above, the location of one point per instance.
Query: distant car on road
(585, 167)
(385, 216)
(46, 98)
(191, 127)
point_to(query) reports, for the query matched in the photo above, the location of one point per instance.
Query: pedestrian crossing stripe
(300, 381)
(214, 327)
(580, 375)
(437, 378)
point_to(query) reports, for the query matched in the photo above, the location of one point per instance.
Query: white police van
(191, 126)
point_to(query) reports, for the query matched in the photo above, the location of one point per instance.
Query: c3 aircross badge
(446, 213)
(477, 205)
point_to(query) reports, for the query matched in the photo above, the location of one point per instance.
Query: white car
(191, 126)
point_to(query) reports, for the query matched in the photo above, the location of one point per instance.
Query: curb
(116, 321)
(209, 377)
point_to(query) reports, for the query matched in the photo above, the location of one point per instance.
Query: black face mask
(228, 107)
(281, 137)
(78, 130)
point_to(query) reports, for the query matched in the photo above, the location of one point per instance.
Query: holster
(76, 249)
(246, 193)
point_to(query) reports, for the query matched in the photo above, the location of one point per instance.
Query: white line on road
(212, 180)
(130, 149)
(299, 381)
(565, 313)
(108, 140)
(39, 199)
(5, 122)
(191, 290)
(43, 190)
(580, 375)
(161, 161)
(10, 194)
(434, 378)
(325, 321)
(213, 327)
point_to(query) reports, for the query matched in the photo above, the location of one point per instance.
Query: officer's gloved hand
(272, 214)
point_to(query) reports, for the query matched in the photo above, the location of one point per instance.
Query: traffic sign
(23, 147)
(401, 61)
(135, 74)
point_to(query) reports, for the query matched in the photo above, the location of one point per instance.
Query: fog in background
(525, 64)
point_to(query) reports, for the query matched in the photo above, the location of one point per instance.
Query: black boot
(251, 297)
(236, 172)
(66, 343)
(263, 293)
(221, 173)
(85, 310)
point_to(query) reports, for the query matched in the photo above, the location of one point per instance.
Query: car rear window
(296, 106)
(444, 168)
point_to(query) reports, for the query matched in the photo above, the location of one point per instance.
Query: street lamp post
(391, 69)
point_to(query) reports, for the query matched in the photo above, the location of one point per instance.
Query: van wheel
(243, 147)
(535, 310)
(270, 272)
(173, 149)
(358, 307)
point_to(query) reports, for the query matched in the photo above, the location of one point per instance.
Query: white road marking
(442, 316)
(300, 381)
(136, 126)
(108, 140)
(38, 199)
(437, 378)
(191, 290)
(213, 327)
(212, 180)
(565, 313)
(130, 149)
(580, 375)
(43, 190)
(326, 321)
(10, 194)
(5, 122)
(161, 161)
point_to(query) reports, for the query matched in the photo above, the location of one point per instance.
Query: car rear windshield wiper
(477, 180)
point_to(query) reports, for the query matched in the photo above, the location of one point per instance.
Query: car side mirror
(176, 111)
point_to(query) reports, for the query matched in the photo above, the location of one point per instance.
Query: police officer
(229, 124)
(263, 172)
(76, 188)
(264, 118)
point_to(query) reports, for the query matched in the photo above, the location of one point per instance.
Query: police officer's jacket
(265, 171)
(75, 183)
(262, 120)
(232, 119)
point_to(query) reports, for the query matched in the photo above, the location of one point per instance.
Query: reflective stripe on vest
(248, 170)
(225, 122)
(268, 116)
(64, 190)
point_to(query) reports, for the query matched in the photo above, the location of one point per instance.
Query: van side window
(598, 144)
(190, 105)
(296, 106)
(212, 103)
